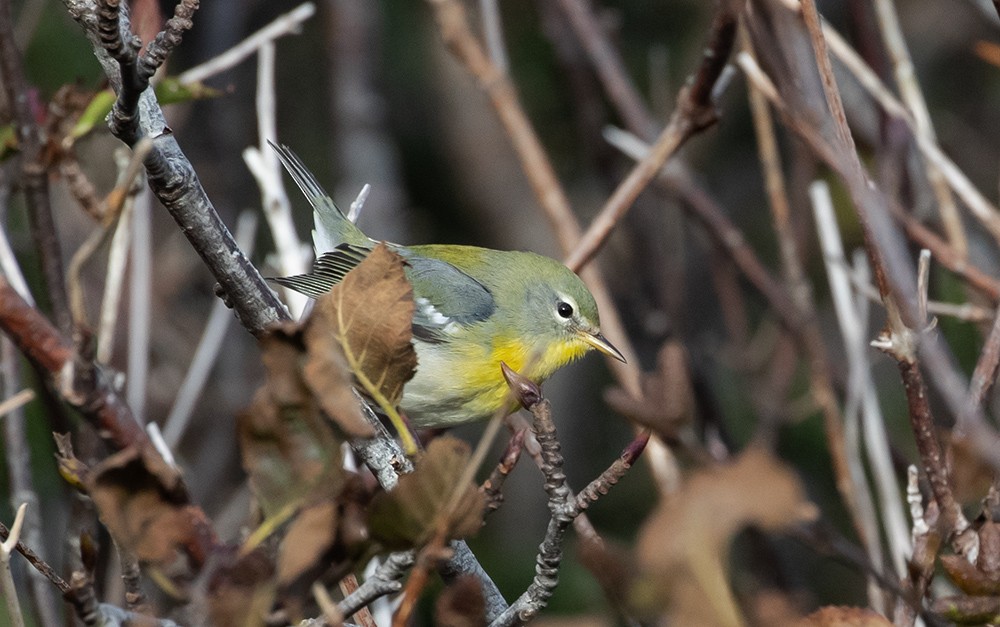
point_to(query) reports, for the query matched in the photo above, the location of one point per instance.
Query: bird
(473, 309)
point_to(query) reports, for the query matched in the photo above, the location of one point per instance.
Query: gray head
(557, 304)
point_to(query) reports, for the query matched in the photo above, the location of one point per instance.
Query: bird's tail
(331, 226)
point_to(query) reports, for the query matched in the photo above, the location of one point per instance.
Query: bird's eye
(564, 309)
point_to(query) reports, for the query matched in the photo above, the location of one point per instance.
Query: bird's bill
(601, 343)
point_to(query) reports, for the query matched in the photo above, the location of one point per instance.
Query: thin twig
(286, 24)
(115, 275)
(6, 577)
(906, 79)
(493, 34)
(893, 270)
(140, 304)
(861, 391)
(695, 112)
(174, 181)
(263, 163)
(493, 485)
(985, 373)
(18, 452)
(385, 580)
(212, 339)
(982, 209)
(34, 172)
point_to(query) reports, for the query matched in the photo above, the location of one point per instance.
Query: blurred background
(367, 93)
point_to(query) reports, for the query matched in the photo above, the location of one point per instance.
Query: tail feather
(331, 226)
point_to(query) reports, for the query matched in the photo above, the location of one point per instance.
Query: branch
(33, 168)
(695, 112)
(170, 174)
(82, 385)
(563, 505)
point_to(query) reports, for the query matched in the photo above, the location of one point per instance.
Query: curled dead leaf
(838, 616)
(143, 504)
(288, 448)
(370, 312)
(461, 604)
(668, 402)
(240, 590)
(683, 547)
(309, 536)
(409, 515)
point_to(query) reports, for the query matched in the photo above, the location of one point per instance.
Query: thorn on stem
(525, 390)
(635, 447)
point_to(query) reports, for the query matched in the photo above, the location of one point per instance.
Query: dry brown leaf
(968, 578)
(837, 616)
(143, 505)
(408, 515)
(371, 313)
(308, 538)
(964, 610)
(461, 604)
(287, 447)
(668, 403)
(683, 547)
(971, 475)
(241, 591)
(611, 565)
(328, 376)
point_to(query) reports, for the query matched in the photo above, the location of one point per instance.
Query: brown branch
(81, 384)
(892, 269)
(609, 67)
(34, 174)
(39, 341)
(695, 112)
(41, 566)
(564, 506)
(494, 483)
(985, 373)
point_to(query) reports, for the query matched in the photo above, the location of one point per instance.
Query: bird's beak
(598, 341)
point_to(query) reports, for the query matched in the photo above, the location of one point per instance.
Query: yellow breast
(460, 381)
(484, 374)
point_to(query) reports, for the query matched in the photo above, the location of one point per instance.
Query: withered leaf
(409, 515)
(371, 314)
(971, 474)
(289, 450)
(837, 616)
(461, 604)
(309, 536)
(143, 505)
(683, 547)
(240, 590)
(328, 376)
(668, 402)
(968, 578)
(965, 610)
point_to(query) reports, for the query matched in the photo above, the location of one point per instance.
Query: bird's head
(564, 315)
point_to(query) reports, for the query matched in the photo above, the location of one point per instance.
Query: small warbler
(474, 307)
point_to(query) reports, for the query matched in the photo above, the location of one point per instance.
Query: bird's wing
(444, 296)
(328, 270)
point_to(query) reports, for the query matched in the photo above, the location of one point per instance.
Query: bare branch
(34, 172)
